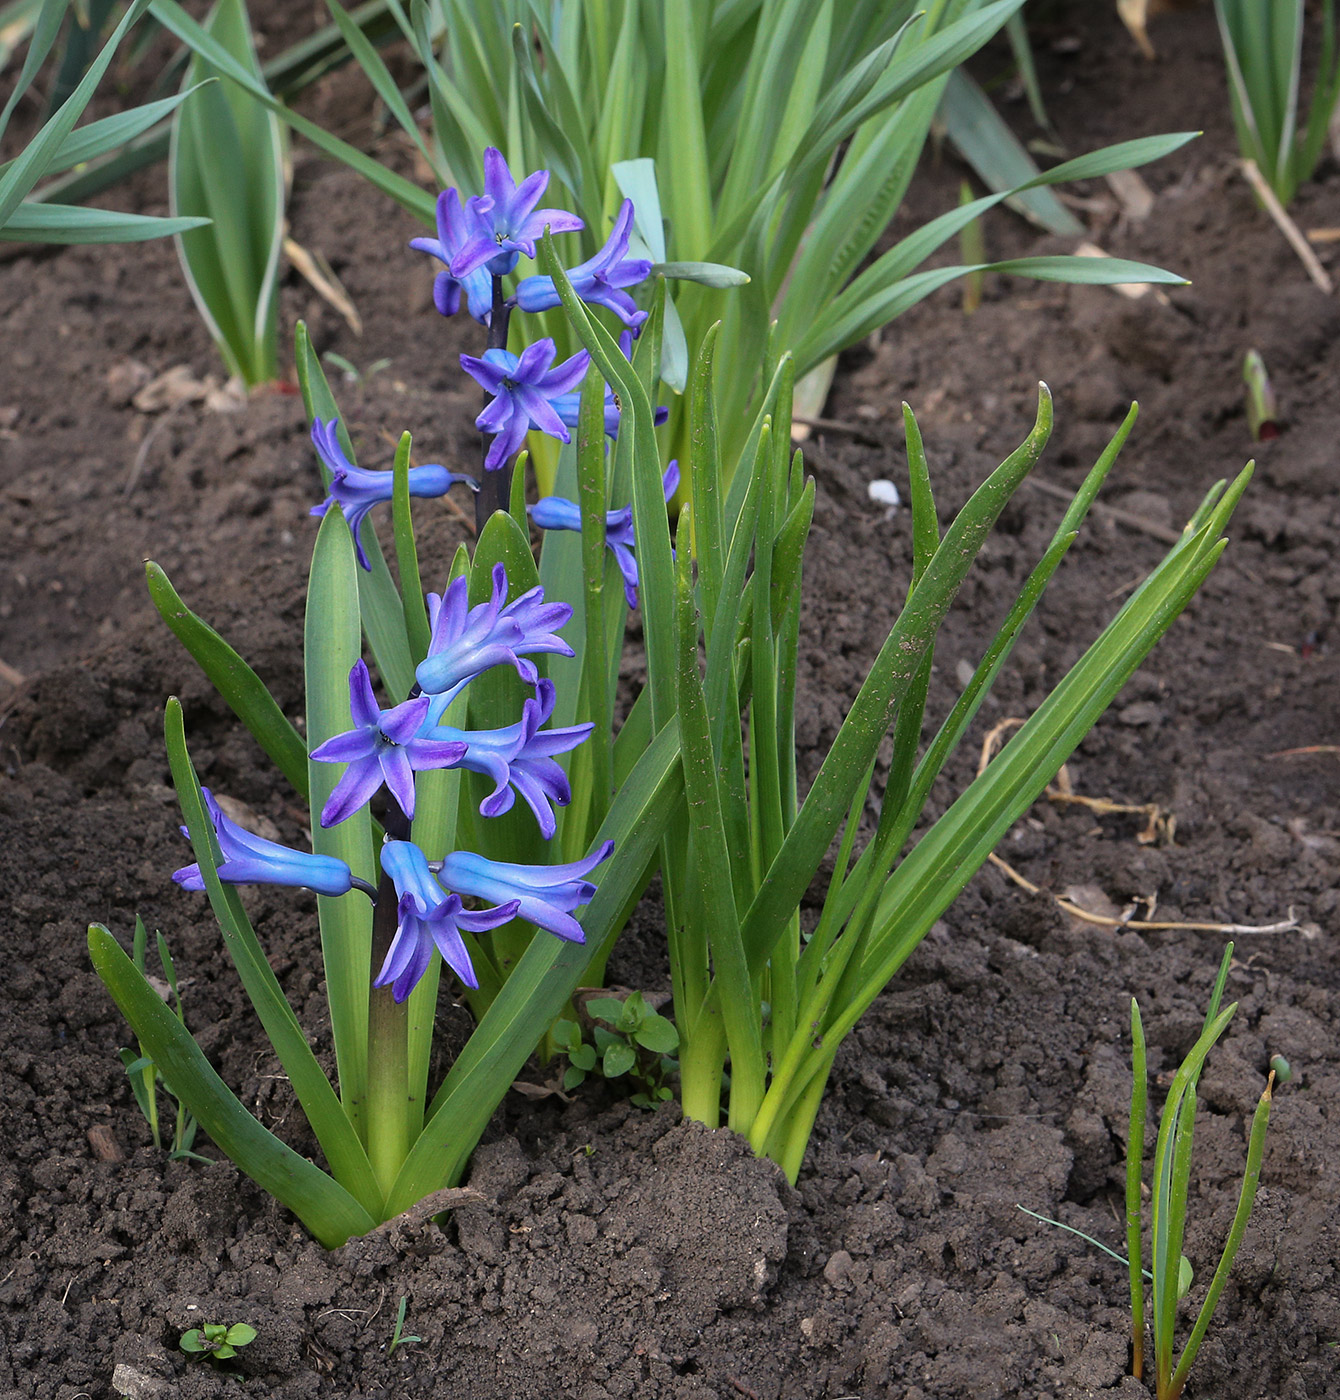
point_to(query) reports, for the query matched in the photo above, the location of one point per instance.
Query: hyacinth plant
(765, 144)
(413, 794)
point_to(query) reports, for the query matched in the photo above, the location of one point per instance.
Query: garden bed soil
(623, 1253)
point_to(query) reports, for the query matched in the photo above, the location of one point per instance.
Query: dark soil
(627, 1254)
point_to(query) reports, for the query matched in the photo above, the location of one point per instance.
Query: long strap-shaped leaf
(247, 695)
(348, 1161)
(542, 981)
(877, 703)
(378, 599)
(320, 1202)
(174, 19)
(331, 645)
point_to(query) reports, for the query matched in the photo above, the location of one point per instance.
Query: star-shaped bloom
(522, 387)
(521, 756)
(546, 895)
(600, 280)
(465, 641)
(356, 491)
(455, 226)
(429, 917)
(559, 513)
(251, 860)
(384, 746)
(506, 221)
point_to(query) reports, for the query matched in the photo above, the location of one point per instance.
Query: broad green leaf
(331, 647)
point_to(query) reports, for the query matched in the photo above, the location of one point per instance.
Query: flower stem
(388, 1112)
(495, 487)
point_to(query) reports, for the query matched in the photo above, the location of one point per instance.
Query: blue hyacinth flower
(251, 860)
(429, 917)
(454, 229)
(521, 756)
(546, 895)
(600, 280)
(356, 491)
(522, 387)
(505, 221)
(559, 513)
(384, 746)
(465, 641)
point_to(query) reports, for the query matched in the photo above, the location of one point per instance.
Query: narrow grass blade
(35, 222)
(415, 610)
(1135, 1156)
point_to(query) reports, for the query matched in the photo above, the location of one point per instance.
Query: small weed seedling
(634, 1040)
(1172, 1172)
(216, 1341)
(398, 1338)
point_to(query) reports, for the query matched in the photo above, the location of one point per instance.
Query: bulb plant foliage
(1263, 50)
(1169, 1272)
(504, 685)
(765, 144)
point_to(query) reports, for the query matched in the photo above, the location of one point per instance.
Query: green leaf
(330, 1212)
(243, 690)
(331, 649)
(575, 1075)
(379, 605)
(657, 1034)
(240, 1334)
(226, 164)
(583, 1057)
(619, 1059)
(35, 222)
(192, 1341)
(605, 1009)
(707, 273)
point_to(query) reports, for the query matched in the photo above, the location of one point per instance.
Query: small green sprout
(634, 1040)
(1281, 1069)
(350, 371)
(398, 1338)
(216, 1341)
(1172, 1172)
(145, 1076)
(1262, 409)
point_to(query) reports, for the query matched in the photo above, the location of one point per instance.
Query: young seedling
(634, 1040)
(216, 1341)
(398, 1338)
(1262, 409)
(144, 1074)
(1172, 1171)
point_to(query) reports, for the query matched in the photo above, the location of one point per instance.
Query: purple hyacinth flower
(599, 280)
(465, 641)
(429, 917)
(250, 860)
(546, 895)
(384, 746)
(356, 491)
(522, 387)
(506, 221)
(455, 227)
(559, 513)
(520, 756)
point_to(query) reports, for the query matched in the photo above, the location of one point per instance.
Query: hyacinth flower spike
(522, 387)
(521, 756)
(455, 226)
(428, 918)
(600, 280)
(465, 641)
(559, 513)
(546, 895)
(384, 746)
(356, 491)
(505, 221)
(251, 860)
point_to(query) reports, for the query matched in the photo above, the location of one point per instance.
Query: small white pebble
(885, 493)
